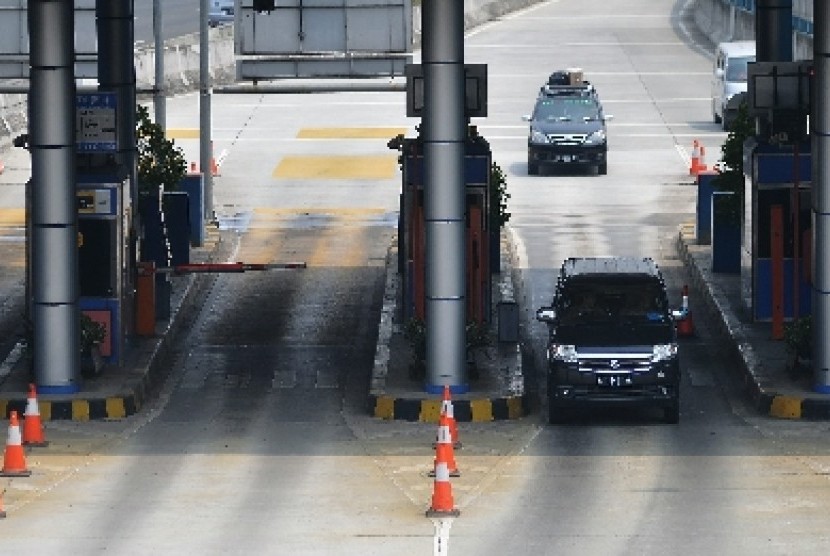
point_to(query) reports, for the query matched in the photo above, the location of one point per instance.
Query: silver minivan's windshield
(736, 68)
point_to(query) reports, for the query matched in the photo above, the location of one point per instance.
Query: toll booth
(102, 257)
(412, 237)
(775, 251)
(775, 247)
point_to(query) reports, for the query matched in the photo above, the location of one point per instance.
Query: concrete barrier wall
(721, 21)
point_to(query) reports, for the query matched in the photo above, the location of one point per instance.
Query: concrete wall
(721, 21)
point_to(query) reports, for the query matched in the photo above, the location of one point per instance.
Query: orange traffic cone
(446, 408)
(14, 460)
(32, 425)
(443, 448)
(694, 167)
(685, 325)
(194, 168)
(442, 503)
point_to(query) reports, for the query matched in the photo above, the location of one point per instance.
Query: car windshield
(585, 302)
(566, 109)
(736, 68)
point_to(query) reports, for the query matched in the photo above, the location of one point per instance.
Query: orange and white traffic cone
(14, 460)
(701, 165)
(442, 502)
(685, 325)
(32, 425)
(443, 448)
(694, 167)
(447, 409)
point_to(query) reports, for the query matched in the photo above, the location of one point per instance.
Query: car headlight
(537, 136)
(562, 352)
(663, 352)
(596, 138)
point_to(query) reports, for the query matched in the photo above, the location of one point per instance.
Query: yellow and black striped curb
(428, 411)
(76, 410)
(765, 399)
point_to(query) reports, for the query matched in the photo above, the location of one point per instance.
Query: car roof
(582, 266)
(737, 48)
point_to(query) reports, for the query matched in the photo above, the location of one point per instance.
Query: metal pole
(444, 136)
(205, 139)
(820, 199)
(54, 250)
(159, 99)
(774, 30)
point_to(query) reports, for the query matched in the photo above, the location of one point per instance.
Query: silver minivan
(729, 79)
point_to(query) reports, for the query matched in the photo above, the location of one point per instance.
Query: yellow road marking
(183, 133)
(12, 217)
(337, 167)
(350, 132)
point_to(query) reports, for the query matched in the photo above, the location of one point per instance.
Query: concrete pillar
(820, 192)
(774, 30)
(444, 135)
(54, 227)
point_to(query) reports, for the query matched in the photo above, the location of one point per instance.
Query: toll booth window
(96, 253)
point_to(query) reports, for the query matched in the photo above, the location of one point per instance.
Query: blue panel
(705, 187)
(780, 168)
(193, 185)
(762, 294)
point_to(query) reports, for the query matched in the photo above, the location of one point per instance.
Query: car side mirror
(719, 73)
(526, 118)
(546, 314)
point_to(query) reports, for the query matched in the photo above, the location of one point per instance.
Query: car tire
(532, 169)
(556, 414)
(602, 169)
(671, 413)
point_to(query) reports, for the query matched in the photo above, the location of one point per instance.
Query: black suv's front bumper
(569, 386)
(566, 155)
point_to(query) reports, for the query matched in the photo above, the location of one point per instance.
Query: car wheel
(556, 414)
(671, 413)
(532, 169)
(602, 169)
(715, 116)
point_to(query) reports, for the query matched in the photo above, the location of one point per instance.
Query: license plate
(613, 381)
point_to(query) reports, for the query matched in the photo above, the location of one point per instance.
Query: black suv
(612, 337)
(567, 126)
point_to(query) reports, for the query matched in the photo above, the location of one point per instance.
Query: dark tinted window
(598, 300)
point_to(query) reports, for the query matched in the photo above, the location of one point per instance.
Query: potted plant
(476, 337)
(798, 337)
(92, 334)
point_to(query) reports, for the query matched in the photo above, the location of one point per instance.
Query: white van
(729, 79)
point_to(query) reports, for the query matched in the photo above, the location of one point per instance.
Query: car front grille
(567, 138)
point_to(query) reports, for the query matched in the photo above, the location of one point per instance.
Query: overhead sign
(95, 122)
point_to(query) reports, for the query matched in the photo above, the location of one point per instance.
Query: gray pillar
(205, 139)
(116, 73)
(56, 353)
(444, 134)
(774, 30)
(820, 123)
(159, 100)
